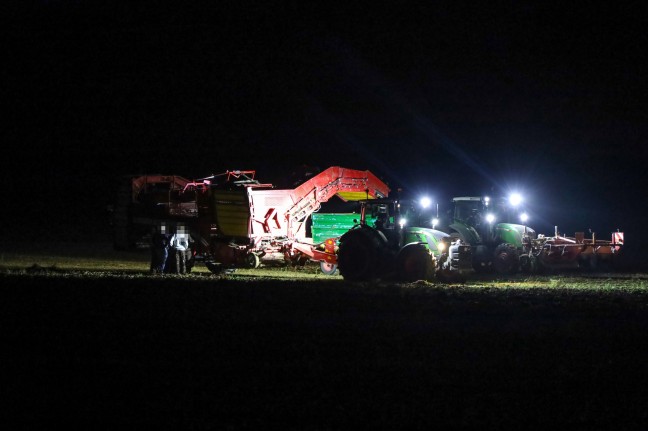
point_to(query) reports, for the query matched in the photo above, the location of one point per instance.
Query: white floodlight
(425, 202)
(435, 222)
(490, 218)
(402, 222)
(524, 217)
(515, 199)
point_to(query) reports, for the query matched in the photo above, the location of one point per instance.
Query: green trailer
(332, 225)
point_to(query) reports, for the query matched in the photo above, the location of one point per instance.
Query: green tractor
(491, 228)
(389, 249)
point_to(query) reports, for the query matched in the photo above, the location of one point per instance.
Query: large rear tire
(360, 256)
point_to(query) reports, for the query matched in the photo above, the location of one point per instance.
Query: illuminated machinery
(559, 251)
(144, 200)
(502, 244)
(243, 222)
(237, 221)
(387, 244)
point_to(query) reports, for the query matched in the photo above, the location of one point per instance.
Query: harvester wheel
(506, 259)
(218, 268)
(415, 263)
(328, 268)
(252, 260)
(360, 254)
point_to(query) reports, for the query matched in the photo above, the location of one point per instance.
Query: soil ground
(129, 351)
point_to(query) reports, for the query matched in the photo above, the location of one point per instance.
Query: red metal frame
(564, 251)
(277, 217)
(280, 213)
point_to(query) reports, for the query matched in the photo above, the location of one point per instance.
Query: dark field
(114, 351)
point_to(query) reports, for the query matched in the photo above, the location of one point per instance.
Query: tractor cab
(389, 216)
(482, 220)
(383, 215)
(468, 216)
(492, 227)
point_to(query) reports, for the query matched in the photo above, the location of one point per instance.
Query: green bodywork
(467, 233)
(333, 225)
(470, 224)
(509, 233)
(429, 237)
(501, 233)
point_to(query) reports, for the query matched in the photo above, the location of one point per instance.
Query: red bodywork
(276, 218)
(561, 251)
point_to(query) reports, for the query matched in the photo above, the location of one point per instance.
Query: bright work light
(515, 199)
(524, 217)
(425, 202)
(490, 218)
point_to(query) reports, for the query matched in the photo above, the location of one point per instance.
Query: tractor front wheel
(415, 263)
(506, 259)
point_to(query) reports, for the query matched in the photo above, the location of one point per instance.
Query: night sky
(444, 98)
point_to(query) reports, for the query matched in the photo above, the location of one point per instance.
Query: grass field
(91, 340)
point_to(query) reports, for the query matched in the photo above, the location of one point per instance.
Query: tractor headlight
(402, 222)
(425, 202)
(524, 217)
(490, 218)
(515, 199)
(435, 222)
(441, 246)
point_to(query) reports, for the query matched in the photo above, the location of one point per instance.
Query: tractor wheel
(415, 263)
(506, 259)
(528, 264)
(328, 268)
(605, 264)
(360, 254)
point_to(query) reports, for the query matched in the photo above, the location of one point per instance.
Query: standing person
(180, 245)
(170, 266)
(159, 248)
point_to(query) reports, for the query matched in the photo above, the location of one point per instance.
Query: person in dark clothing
(160, 242)
(381, 221)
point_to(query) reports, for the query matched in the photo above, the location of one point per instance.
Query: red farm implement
(235, 220)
